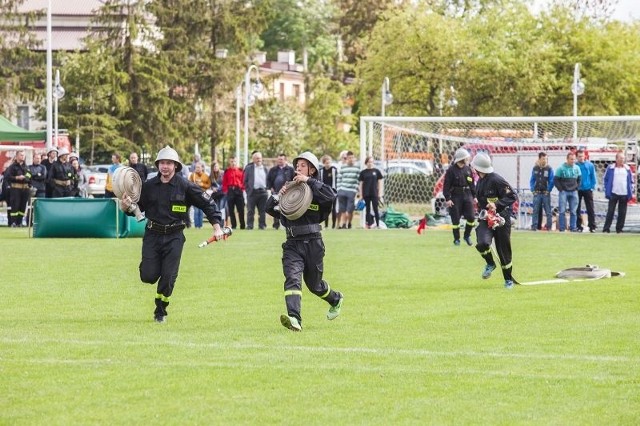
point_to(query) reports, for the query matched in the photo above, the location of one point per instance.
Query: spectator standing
(216, 191)
(329, 176)
(277, 177)
(459, 191)
(79, 179)
(142, 169)
(196, 160)
(541, 184)
(496, 195)
(233, 188)
(303, 251)
(618, 187)
(567, 181)
(585, 191)
(347, 190)
(108, 189)
(200, 178)
(370, 189)
(165, 200)
(61, 176)
(19, 177)
(255, 184)
(52, 155)
(38, 176)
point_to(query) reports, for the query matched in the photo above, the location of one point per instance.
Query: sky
(627, 10)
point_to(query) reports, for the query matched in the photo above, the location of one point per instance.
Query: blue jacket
(588, 180)
(608, 181)
(538, 175)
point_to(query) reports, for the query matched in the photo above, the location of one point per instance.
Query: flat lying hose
(295, 202)
(587, 272)
(127, 182)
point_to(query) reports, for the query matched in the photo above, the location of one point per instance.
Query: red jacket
(232, 177)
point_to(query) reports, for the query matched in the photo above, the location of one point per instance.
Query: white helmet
(482, 163)
(310, 158)
(74, 155)
(63, 151)
(461, 154)
(168, 153)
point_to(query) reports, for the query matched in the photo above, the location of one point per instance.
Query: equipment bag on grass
(394, 219)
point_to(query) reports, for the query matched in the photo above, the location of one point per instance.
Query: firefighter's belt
(300, 230)
(62, 182)
(165, 229)
(20, 185)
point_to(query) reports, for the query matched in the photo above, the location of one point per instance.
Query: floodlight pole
(386, 98)
(577, 89)
(248, 92)
(49, 141)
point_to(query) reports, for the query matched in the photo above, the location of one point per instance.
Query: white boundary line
(346, 350)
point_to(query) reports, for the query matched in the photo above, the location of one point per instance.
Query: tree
(193, 38)
(325, 118)
(280, 127)
(21, 68)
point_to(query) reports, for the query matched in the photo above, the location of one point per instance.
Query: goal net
(414, 152)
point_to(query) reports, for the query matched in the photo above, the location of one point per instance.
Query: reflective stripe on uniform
(507, 266)
(485, 252)
(162, 297)
(455, 226)
(293, 293)
(327, 293)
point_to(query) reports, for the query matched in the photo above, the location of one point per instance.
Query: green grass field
(421, 338)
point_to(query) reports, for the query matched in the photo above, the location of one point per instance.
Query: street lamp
(577, 88)
(251, 92)
(58, 93)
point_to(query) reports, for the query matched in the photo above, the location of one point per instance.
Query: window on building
(23, 116)
(282, 92)
(296, 92)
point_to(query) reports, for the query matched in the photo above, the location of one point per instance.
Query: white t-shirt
(619, 184)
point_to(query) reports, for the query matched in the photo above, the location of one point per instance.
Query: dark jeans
(257, 199)
(587, 195)
(621, 201)
(235, 200)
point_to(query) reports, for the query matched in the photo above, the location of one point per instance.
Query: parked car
(96, 180)
(409, 168)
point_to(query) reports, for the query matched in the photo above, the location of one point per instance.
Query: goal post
(414, 152)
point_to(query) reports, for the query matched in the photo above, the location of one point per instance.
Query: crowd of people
(576, 180)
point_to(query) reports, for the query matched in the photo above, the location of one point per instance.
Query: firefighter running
(166, 199)
(460, 195)
(496, 195)
(303, 252)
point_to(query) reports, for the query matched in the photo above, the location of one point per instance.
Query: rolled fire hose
(295, 202)
(127, 182)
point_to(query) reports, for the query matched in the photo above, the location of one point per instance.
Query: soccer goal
(414, 152)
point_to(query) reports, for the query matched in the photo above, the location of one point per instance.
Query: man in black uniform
(61, 176)
(460, 193)
(496, 196)
(303, 252)
(52, 154)
(19, 183)
(166, 199)
(142, 170)
(38, 176)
